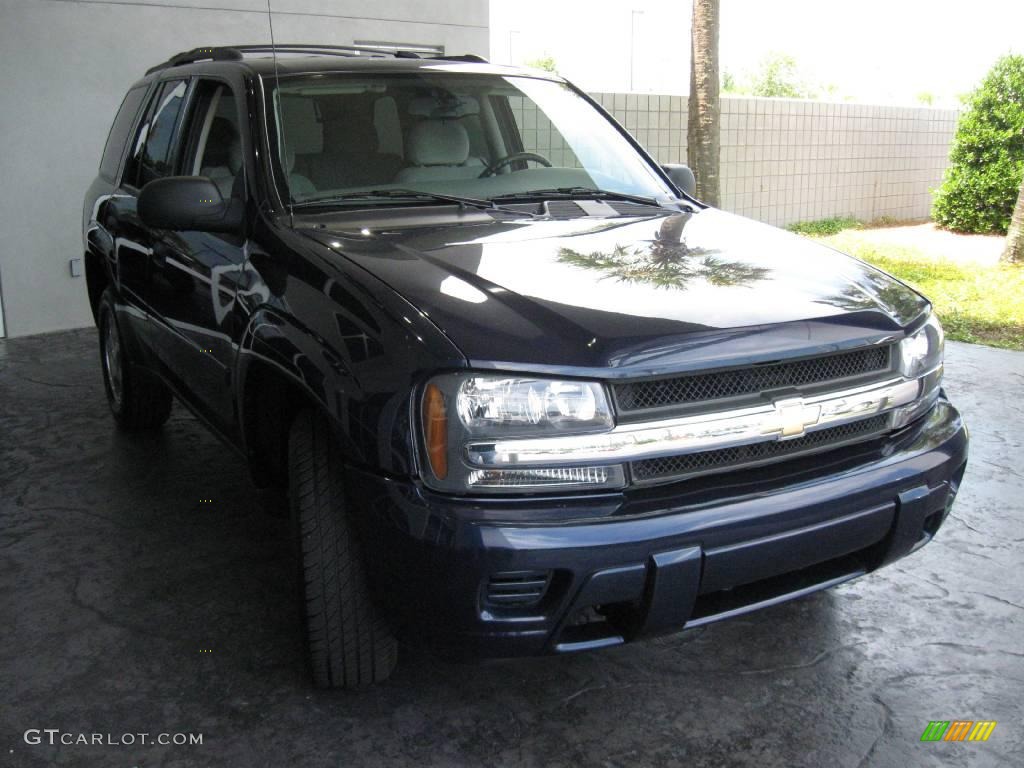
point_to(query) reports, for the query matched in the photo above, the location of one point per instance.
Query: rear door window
(151, 156)
(119, 131)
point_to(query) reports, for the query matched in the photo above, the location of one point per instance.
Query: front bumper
(617, 567)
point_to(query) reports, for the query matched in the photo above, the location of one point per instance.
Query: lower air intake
(517, 589)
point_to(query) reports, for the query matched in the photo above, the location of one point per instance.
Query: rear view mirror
(682, 177)
(188, 202)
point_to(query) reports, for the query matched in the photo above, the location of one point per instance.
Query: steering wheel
(497, 165)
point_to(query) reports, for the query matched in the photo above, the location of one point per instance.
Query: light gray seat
(303, 136)
(222, 159)
(438, 149)
(299, 186)
(225, 176)
(351, 154)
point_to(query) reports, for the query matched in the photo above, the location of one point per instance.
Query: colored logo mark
(958, 730)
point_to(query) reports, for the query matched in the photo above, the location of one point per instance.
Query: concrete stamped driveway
(116, 578)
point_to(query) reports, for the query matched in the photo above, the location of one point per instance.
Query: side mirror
(682, 177)
(188, 202)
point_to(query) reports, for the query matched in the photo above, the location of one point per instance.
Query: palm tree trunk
(702, 147)
(1014, 250)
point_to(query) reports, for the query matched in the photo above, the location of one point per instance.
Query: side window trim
(204, 132)
(174, 145)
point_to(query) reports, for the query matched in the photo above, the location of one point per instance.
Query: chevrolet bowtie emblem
(792, 417)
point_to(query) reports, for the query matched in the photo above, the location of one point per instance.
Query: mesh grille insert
(705, 461)
(642, 395)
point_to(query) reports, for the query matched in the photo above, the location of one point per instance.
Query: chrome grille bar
(781, 420)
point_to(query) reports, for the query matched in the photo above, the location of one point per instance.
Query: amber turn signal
(435, 425)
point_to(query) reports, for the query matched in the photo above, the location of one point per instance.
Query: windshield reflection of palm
(667, 262)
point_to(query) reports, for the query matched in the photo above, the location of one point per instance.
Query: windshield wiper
(571, 193)
(407, 194)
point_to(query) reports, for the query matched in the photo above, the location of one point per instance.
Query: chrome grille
(737, 382)
(676, 467)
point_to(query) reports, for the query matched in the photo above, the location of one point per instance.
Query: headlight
(922, 351)
(921, 359)
(488, 405)
(456, 408)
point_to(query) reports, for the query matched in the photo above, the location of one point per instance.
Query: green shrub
(987, 157)
(547, 63)
(823, 227)
(777, 75)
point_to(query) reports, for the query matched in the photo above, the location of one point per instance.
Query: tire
(137, 398)
(350, 645)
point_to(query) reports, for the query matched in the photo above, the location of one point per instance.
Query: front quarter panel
(352, 345)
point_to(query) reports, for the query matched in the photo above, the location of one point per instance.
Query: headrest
(351, 135)
(235, 157)
(437, 142)
(446, 105)
(223, 146)
(303, 133)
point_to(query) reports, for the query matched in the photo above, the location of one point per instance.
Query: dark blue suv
(526, 393)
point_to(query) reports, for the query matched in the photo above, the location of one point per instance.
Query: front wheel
(137, 398)
(350, 645)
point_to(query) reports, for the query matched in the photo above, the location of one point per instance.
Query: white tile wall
(785, 160)
(657, 122)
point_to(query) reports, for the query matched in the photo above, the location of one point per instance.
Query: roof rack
(198, 54)
(470, 57)
(236, 53)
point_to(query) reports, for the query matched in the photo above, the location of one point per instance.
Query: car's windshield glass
(466, 135)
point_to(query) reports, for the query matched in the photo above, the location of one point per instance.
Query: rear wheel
(137, 398)
(350, 645)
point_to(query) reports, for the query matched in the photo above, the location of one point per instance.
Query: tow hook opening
(598, 626)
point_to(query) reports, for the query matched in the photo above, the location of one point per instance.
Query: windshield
(466, 135)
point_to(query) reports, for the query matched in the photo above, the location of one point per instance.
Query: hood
(636, 294)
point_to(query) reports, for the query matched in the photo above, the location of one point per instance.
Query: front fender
(343, 340)
(275, 344)
(366, 400)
